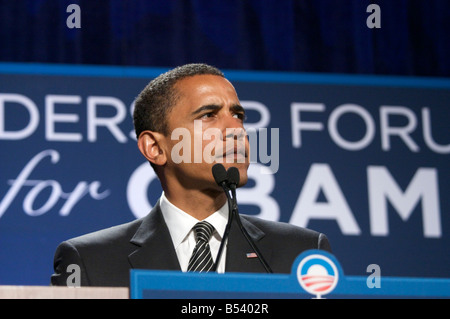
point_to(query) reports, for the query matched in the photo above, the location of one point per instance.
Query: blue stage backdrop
(364, 159)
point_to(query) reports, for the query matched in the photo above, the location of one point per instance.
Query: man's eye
(240, 116)
(206, 115)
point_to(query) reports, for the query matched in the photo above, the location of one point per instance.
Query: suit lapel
(155, 248)
(238, 248)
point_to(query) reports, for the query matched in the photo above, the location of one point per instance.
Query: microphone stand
(223, 184)
(244, 231)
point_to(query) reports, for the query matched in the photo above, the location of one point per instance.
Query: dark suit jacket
(105, 257)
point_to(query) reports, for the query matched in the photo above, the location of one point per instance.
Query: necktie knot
(203, 230)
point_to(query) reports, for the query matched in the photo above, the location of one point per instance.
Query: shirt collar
(180, 223)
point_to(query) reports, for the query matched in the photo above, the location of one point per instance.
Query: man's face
(206, 127)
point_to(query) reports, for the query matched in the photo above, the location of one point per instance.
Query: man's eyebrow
(209, 107)
(238, 108)
(215, 107)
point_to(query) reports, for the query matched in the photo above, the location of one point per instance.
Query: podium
(48, 292)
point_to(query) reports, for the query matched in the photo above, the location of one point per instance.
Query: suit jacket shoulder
(105, 257)
(284, 231)
(281, 243)
(99, 255)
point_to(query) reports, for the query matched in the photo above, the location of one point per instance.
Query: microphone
(220, 174)
(229, 181)
(232, 177)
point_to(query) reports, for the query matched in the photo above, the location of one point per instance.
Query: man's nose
(231, 122)
(234, 133)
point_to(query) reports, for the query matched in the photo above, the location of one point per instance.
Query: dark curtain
(280, 35)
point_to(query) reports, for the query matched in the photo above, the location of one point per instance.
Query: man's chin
(243, 181)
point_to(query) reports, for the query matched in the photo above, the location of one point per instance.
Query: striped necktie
(201, 259)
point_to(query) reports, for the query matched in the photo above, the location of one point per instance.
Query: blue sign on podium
(314, 274)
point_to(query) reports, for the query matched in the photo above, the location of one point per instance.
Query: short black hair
(156, 100)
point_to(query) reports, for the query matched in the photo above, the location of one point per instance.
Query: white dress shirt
(180, 226)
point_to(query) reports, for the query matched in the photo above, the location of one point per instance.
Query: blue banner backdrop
(364, 159)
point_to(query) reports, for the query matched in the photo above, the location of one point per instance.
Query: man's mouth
(234, 154)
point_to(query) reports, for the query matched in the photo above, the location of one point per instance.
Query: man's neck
(199, 204)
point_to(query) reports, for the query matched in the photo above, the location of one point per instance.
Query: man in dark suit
(172, 114)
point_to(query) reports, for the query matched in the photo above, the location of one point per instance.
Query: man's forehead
(206, 87)
(202, 81)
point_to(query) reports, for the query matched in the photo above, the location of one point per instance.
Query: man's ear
(150, 147)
